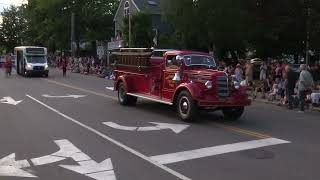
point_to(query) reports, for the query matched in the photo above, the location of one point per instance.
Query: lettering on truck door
(169, 86)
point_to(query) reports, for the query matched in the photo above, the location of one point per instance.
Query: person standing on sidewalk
(249, 73)
(64, 64)
(305, 84)
(238, 73)
(290, 85)
(8, 66)
(263, 71)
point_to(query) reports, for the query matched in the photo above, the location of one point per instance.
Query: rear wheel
(233, 113)
(123, 98)
(186, 107)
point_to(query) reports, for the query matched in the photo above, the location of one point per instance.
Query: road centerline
(117, 143)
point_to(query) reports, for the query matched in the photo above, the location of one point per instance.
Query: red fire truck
(187, 80)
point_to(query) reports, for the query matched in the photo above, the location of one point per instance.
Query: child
(273, 93)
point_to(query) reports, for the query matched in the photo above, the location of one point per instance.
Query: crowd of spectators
(277, 80)
(87, 65)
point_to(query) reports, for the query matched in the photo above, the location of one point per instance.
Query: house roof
(151, 6)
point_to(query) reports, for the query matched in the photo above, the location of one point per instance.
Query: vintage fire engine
(187, 80)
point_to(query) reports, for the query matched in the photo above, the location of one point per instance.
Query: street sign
(66, 96)
(10, 101)
(176, 128)
(86, 166)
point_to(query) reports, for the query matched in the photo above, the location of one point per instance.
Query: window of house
(151, 2)
(126, 8)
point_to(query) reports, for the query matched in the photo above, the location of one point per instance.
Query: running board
(149, 98)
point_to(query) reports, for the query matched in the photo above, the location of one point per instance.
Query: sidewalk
(276, 103)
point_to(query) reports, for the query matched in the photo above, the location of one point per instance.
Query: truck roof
(186, 52)
(24, 47)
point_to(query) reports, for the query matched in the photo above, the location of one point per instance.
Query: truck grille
(38, 68)
(223, 86)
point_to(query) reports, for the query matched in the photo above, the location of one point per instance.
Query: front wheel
(233, 113)
(186, 107)
(123, 98)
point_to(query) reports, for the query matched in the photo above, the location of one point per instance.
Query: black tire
(233, 113)
(123, 98)
(186, 107)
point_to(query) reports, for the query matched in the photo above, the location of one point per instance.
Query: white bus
(30, 60)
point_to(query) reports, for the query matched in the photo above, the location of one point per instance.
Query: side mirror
(177, 77)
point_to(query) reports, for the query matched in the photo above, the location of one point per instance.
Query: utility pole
(130, 24)
(73, 47)
(308, 23)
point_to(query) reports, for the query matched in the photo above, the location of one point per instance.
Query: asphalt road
(47, 134)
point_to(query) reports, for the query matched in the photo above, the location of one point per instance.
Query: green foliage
(141, 32)
(12, 28)
(270, 27)
(48, 22)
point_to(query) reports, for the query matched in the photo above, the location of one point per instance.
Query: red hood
(203, 74)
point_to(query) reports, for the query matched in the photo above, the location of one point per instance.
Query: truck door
(169, 86)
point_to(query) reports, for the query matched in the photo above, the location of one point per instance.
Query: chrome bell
(177, 77)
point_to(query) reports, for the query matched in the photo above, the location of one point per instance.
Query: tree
(141, 30)
(270, 27)
(208, 24)
(48, 22)
(12, 28)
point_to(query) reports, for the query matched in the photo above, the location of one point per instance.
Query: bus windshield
(37, 59)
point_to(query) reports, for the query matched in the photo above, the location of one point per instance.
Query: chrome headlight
(209, 84)
(243, 83)
(46, 66)
(236, 84)
(29, 66)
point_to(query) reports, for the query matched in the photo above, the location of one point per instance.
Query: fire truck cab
(188, 80)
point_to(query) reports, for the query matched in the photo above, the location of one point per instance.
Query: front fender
(119, 80)
(192, 88)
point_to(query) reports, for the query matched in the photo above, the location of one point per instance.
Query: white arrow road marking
(87, 166)
(12, 168)
(107, 175)
(67, 150)
(110, 88)
(9, 100)
(94, 170)
(216, 150)
(67, 96)
(11, 161)
(117, 126)
(11, 171)
(177, 128)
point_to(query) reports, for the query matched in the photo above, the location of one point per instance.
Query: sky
(6, 3)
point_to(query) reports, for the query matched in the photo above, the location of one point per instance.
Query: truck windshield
(37, 59)
(199, 60)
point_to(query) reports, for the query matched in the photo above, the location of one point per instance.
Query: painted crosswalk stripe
(215, 150)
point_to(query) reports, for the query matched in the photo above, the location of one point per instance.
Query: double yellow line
(220, 125)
